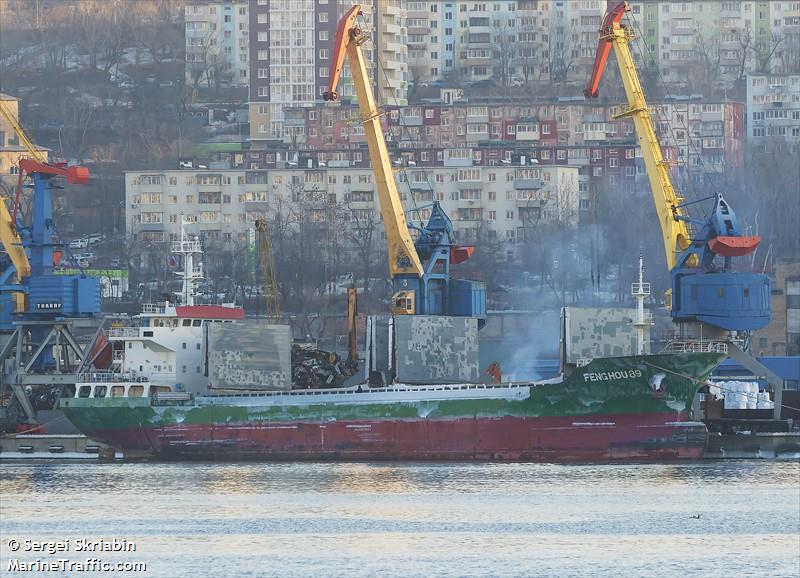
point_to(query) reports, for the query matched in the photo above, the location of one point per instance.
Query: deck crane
(266, 260)
(703, 288)
(420, 270)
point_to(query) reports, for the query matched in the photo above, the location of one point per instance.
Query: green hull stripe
(605, 386)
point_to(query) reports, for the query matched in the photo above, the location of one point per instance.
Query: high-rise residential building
(533, 40)
(503, 201)
(773, 111)
(291, 50)
(217, 43)
(431, 40)
(573, 37)
(392, 55)
(718, 41)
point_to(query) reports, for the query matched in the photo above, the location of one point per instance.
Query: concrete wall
(249, 355)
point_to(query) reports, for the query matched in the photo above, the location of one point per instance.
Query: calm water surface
(237, 520)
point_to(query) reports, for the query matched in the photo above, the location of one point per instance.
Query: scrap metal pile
(314, 368)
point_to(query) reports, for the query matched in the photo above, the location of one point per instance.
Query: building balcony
(406, 120)
(149, 227)
(209, 188)
(711, 116)
(362, 187)
(527, 184)
(527, 135)
(596, 118)
(421, 186)
(391, 83)
(594, 135)
(392, 28)
(456, 161)
(422, 196)
(477, 117)
(419, 30)
(392, 46)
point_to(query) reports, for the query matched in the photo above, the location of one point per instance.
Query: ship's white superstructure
(165, 350)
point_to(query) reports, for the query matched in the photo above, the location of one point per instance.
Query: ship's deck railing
(153, 307)
(186, 247)
(122, 332)
(109, 377)
(378, 390)
(696, 347)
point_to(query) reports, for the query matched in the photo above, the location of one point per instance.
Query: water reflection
(313, 519)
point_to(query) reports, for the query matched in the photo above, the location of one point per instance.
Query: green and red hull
(631, 408)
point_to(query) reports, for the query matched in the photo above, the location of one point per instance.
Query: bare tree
(504, 36)
(745, 38)
(561, 58)
(790, 54)
(709, 55)
(419, 75)
(361, 235)
(764, 50)
(160, 35)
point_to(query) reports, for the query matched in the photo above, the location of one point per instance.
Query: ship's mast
(644, 320)
(188, 247)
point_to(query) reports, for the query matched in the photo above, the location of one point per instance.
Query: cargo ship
(150, 388)
(623, 408)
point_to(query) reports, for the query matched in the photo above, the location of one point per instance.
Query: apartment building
(11, 150)
(432, 30)
(500, 202)
(704, 138)
(773, 111)
(782, 335)
(290, 55)
(534, 37)
(217, 43)
(719, 39)
(520, 41)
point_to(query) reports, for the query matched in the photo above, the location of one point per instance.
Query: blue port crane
(29, 288)
(699, 252)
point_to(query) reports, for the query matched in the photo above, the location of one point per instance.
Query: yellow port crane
(704, 288)
(675, 232)
(419, 269)
(9, 237)
(35, 153)
(403, 256)
(266, 260)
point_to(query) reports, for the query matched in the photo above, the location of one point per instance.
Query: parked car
(94, 238)
(85, 256)
(81, 243)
